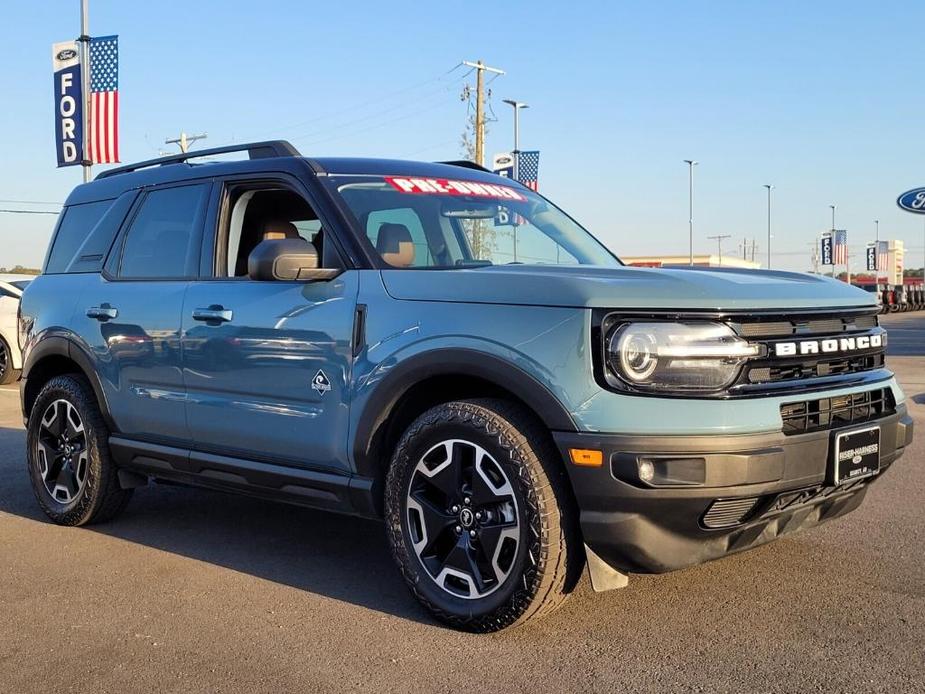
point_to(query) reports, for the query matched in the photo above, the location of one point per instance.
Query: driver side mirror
(286, 260)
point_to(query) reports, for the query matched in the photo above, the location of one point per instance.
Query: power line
(296, 127)
(29, 212)
(30, 202)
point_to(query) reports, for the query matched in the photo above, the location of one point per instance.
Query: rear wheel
(480, 517)
(72, 474)
(7, 373)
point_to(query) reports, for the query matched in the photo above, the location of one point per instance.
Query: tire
(512, 521)
(86, 487)
(7, 373)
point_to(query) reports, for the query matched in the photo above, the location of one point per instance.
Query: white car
(11, 288)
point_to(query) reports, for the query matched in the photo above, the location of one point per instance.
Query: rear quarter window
(74, 228)
(86, 234)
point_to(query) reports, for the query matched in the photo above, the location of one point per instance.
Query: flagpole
(84, 42)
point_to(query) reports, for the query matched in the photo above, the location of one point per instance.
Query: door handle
(213, 314)
(103, 312)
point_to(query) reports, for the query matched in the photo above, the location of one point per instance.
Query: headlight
(677, 356)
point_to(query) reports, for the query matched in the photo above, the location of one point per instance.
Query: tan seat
(395, 245)
(279, 229)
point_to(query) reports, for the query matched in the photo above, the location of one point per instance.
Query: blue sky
(822, 99)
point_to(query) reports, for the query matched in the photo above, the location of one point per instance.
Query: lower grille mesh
(725, 513)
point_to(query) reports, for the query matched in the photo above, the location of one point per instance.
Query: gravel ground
(193, 591)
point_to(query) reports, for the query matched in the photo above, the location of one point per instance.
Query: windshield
(441, 223)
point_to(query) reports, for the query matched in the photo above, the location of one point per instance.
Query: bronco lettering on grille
(829, 346)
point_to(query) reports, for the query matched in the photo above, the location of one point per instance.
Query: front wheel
(480, 516)
(73, 477)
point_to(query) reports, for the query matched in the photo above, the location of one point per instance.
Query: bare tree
(479, 233)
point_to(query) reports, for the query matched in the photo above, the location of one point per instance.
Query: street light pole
(690, 206)
(877, 252)
(770, 188)
(84, 43)
(833, 239)
(516, 105)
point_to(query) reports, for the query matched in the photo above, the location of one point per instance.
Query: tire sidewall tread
(102, 497)
(548, 514)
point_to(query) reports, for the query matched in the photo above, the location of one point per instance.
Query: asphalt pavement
(195, 591)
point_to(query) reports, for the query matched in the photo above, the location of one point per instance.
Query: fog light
(672, 472)
(646, 470)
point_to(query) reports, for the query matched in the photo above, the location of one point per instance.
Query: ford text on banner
(104, 100)
(826, 250)
(68, 103)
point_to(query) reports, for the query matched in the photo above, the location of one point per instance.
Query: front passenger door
(267, 364)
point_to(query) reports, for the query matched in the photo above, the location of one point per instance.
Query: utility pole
(84, 44)
(480, 68)
(690, 206)
(184, 141)
(719, 244)
(770, 188)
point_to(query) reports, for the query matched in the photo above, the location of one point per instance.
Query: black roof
(264, 157)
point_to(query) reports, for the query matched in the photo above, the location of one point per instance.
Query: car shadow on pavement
(337, 556)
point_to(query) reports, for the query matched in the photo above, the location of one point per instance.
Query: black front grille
(813, 368)
(830, 413)
(777, 327)
(770, 369)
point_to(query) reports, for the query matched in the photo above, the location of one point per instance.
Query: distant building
(712, 260)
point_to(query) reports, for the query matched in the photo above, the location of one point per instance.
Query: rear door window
(163, 240)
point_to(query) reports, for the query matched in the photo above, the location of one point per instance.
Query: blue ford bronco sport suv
(445, 349)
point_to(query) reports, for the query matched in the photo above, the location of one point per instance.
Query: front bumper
(756, 488)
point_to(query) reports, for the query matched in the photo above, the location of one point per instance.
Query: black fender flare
(61, 346)
(450, 362)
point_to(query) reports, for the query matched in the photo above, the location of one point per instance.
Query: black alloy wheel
(481, 519)
(73, 476)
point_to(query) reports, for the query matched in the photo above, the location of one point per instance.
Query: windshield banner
(68, 103)
(444, 186)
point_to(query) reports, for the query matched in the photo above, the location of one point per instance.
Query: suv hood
(626, 287)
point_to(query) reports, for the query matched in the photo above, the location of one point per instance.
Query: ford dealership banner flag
(68, 103)
(826, 250)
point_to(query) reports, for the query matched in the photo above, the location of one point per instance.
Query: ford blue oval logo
(66, 54)
(913, 200)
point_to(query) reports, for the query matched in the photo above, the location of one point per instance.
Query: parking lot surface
(192, 590)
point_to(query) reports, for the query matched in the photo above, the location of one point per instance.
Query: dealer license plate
(857, 454)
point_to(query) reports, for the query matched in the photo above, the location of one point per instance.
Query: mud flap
(603, 576)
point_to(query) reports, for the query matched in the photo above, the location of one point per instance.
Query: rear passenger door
(131, 315)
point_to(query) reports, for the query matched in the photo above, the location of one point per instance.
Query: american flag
(104, 100)
(840, 247)
(528, 169)
(883, 255)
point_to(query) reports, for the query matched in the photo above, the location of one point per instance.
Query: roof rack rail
(466, 164)
(255, 150)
